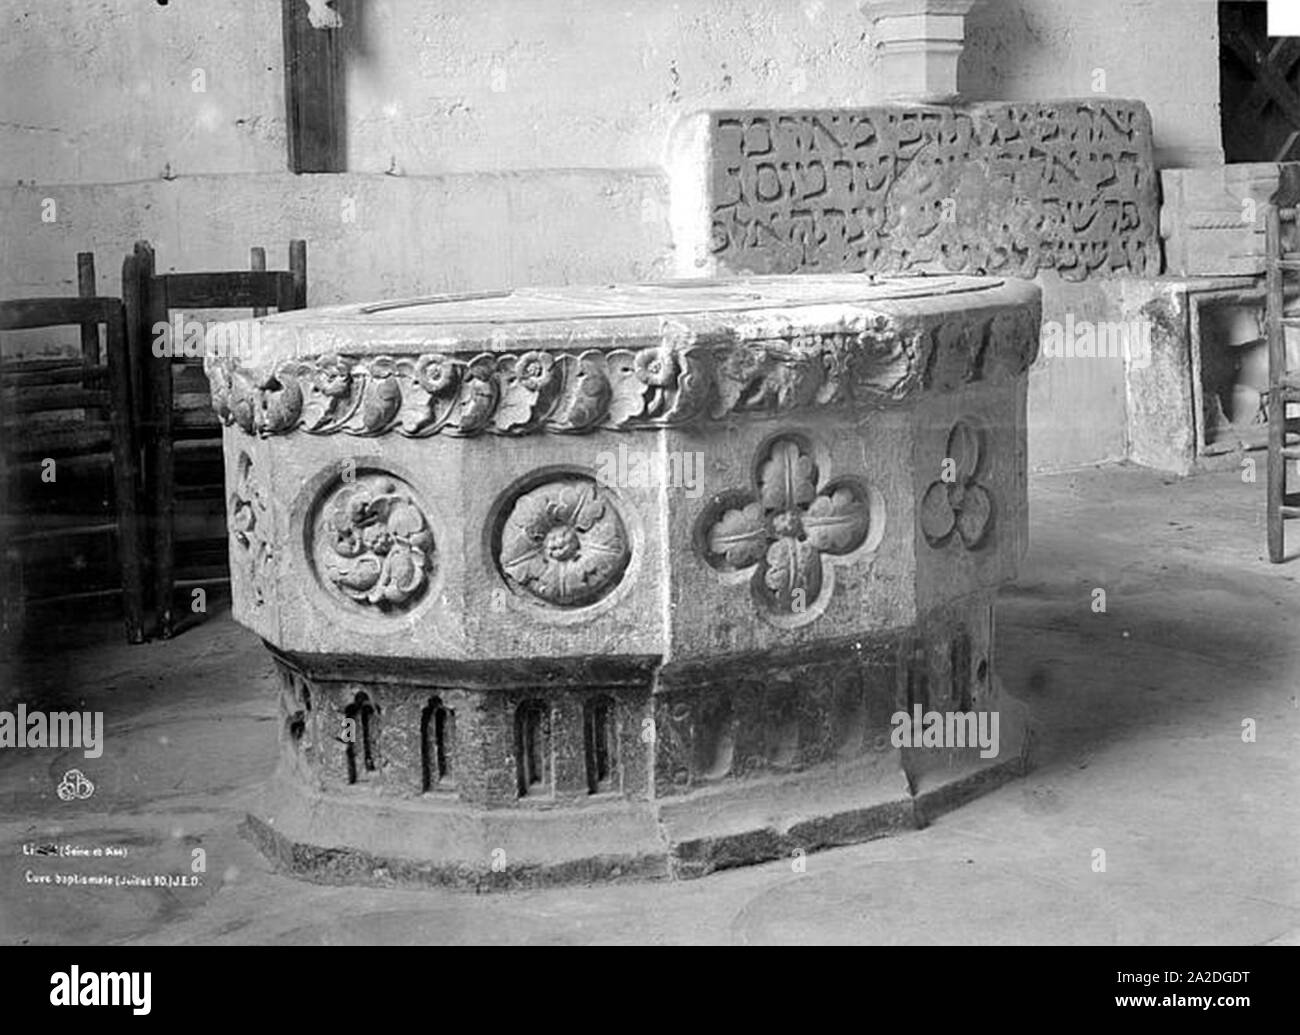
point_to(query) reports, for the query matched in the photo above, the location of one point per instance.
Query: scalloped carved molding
(656, 386)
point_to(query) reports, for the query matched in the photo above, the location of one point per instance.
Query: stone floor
(1139, 714)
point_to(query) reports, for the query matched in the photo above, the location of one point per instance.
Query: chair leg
(136, 270)
(257, 263)
(298, 267)
(163, 493)
(155, 407)
(1276, 476)
(126, 477)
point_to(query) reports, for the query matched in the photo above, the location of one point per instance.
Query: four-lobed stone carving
(996, 188)
(373, 542)
(574, 392)
(959, 504)
(564, 543)
(786, 530)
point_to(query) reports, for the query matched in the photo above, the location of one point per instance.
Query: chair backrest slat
(20, 314)
(53, 398)
(232, 289)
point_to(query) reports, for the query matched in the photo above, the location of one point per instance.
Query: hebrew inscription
(1004, 189)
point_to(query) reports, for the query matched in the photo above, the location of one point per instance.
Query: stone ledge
(329, 861)
(647, 360)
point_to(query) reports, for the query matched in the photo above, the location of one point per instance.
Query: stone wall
(1162, 52)
(526, 138)
(491, 144)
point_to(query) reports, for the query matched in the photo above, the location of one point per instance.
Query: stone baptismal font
(621, 581)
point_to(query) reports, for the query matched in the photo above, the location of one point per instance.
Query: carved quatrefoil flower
(959, 503)
(563, 542)
(787, 528)
(375, 543)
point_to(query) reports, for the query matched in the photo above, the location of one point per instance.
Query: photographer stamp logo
(75, 786)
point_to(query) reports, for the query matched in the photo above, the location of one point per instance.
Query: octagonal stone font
(600, 582)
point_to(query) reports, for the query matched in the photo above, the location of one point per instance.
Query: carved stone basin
(625, 581)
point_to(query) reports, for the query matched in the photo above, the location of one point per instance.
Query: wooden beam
(313, 92)
(1283, 57)
(1249, 52)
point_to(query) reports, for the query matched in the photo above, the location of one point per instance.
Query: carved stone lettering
(1003, 189)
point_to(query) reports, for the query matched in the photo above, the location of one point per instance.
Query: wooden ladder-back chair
(72, 462)
(185, 501)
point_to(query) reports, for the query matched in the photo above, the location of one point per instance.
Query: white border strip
(1284, 17)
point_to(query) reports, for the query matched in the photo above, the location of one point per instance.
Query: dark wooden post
(298, 267)
(126, 473)
(257, 263)
(313, 92)
(86, 289)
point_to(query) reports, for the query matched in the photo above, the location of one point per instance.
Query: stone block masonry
(1004, 189)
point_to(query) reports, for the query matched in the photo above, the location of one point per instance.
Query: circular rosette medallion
(563, 542)
(373, 544)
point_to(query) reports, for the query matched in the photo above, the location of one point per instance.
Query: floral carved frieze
(373, 542)
(787, 529)
(957, 504)
(569, 392)
(249, 525)
(564, 543)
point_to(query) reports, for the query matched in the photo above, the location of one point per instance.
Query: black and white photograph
(643, 473)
